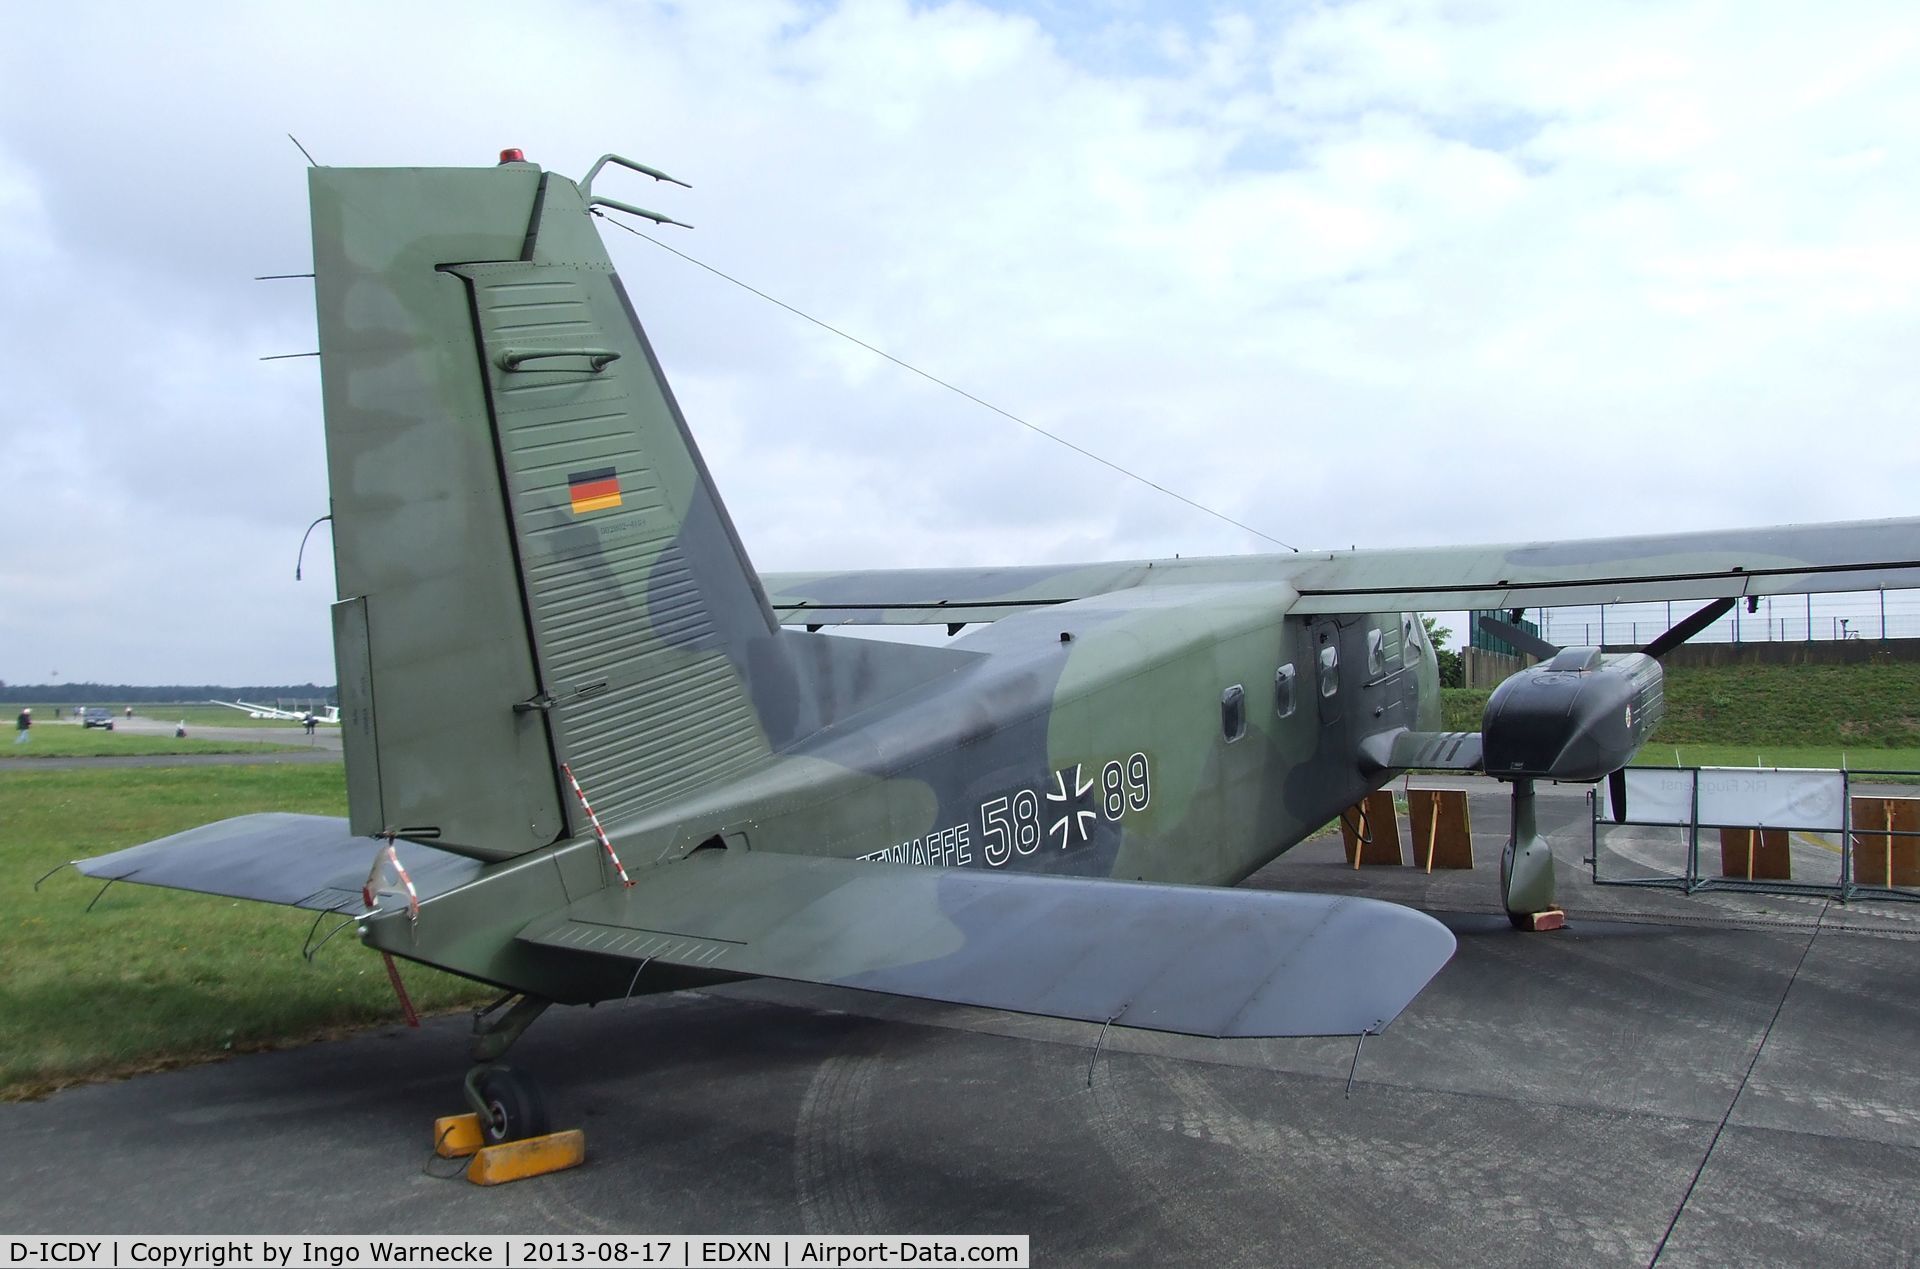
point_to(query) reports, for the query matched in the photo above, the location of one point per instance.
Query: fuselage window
(1283, 691)
(1233, 713)
(1329, 670)
(1376, 653)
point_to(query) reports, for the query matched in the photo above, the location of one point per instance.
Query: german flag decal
(594, 490)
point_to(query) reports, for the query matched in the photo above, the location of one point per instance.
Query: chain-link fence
(1869, 615)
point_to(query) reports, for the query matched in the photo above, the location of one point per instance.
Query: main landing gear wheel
(515, 1108)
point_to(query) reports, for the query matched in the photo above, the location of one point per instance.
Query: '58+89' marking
(1011, 825)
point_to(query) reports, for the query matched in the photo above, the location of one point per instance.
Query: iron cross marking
(1070, 798)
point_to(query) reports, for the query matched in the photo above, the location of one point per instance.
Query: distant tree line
(133, 694)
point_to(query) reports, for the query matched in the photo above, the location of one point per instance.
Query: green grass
(1779, 756)
(1837, 706)
(1868, 711)
(60, 741)
(1461, 707)
(153, 978)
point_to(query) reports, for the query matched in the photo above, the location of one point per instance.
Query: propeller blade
(1523, 639)
(1688, 628)
(1617, 794)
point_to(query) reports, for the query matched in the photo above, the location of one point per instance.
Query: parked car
(97, 716)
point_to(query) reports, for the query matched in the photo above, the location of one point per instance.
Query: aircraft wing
(261, 711)
(1791, 559)
(303, 861)
(929, 596)
(1190, 959)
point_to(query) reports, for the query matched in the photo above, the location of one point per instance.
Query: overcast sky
(1375, 274)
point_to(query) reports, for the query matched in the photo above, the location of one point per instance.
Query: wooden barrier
(1881, 856)
(1442, 834)
(1755, 854)
(1371, 830)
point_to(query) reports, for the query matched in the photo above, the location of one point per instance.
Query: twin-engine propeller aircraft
(544, 605)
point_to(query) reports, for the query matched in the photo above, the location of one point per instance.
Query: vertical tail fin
(533, 563)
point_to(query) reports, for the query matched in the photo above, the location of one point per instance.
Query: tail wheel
(515, 1107)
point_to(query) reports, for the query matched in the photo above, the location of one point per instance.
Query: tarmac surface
(1722, 1079)
(322, 746)
(325, 735)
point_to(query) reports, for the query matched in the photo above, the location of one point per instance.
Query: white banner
(502, 1251)
(1736, 797)
(1654, 796)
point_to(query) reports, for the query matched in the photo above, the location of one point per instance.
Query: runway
(1548, 1100)
(325, 736)
(322, 746)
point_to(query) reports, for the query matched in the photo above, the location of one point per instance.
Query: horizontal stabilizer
(304, 861)
(1189, 959)
(1404, 750)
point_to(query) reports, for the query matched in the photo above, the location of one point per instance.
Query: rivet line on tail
(599, 832)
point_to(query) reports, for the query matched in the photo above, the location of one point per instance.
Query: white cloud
(1376, 273)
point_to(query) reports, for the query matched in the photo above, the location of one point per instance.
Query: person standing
(23, 723)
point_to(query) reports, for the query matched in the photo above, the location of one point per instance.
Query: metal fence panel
(1751, 815)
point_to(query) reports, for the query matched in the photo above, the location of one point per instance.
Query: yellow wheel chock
(459, 1136)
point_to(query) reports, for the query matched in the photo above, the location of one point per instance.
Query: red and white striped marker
(400, 990)
(368, 896)
(389, 855)
(599, 832)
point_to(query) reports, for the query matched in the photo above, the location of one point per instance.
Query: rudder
(534, 565)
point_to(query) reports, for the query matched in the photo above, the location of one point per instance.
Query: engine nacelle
(1581, 716)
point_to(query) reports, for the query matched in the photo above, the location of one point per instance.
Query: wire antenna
(297, 559)
(302, 149)
(935, 379)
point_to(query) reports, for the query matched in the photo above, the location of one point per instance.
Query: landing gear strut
(508, 1102)
(1526, 865)
(507, 1137)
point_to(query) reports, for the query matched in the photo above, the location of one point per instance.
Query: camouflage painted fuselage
(1108, 753)
(1176, 733)
(543, 600)
(539, 584)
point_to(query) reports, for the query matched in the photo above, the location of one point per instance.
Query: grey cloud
(1268, 265)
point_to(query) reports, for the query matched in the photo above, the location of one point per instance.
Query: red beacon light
(515, 155)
